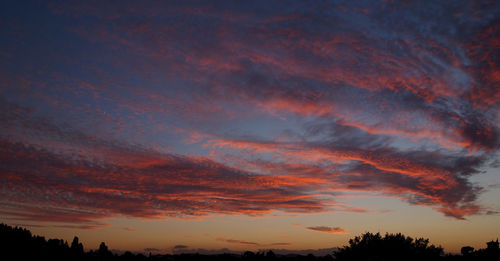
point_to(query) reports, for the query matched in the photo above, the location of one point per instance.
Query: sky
(177, 126)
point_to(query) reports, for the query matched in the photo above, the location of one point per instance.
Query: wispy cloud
(330, 230)
(244, 242)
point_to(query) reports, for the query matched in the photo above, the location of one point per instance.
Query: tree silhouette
(492, 251)
(103, 251)
(270, 255)
(467, 250)
(248, 255)
(390, 247)
(76, 247)
(493, 245)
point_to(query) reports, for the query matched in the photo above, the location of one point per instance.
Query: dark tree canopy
(389, 247)
(76, 247)
(467, 250)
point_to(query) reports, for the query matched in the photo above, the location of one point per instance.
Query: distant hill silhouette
(18, 243)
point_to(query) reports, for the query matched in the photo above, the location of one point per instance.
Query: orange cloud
(330, 230)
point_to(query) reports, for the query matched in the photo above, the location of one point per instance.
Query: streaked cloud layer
(188, 109)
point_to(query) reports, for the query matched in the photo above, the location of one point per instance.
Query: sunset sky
(175, 126)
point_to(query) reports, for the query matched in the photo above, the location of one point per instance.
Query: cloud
(83, 195)
(330, 230)
(235, 241)
(69, 226)
(243, 242)
(420, 177)
(279, 244)
(102, 179)
(282, 112)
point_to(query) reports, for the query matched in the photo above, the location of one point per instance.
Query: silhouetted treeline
(19, 244)
(389, 247)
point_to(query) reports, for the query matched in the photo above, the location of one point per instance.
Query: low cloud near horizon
(244, 242)
(330, 230)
